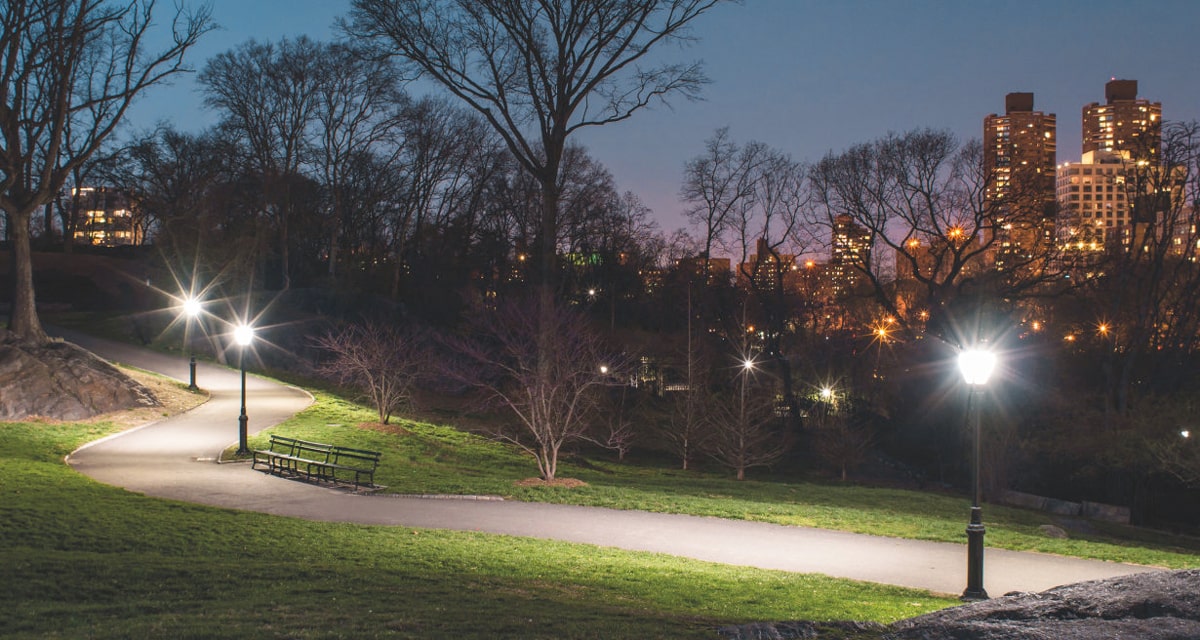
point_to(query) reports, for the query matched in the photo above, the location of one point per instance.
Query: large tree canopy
(540, 70)
(68, 72)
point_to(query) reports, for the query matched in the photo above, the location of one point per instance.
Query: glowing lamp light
(244, 334)
(748, 364)
(191, 307)
(976, 366)
(826, 393)
(604, 369)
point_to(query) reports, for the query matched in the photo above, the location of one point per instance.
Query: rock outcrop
(61, 381)
(1162, 605)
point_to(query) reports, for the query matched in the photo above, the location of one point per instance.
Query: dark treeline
(389, 215)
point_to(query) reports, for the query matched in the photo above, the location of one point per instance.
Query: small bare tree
(686, 432)
(548, 376)
(840, 441)
(742, 433)
(382, 361)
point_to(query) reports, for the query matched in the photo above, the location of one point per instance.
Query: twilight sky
(811, 76)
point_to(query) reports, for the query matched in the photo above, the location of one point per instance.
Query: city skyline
(811, 78)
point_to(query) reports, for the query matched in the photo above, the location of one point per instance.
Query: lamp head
(191, 306)
(244, 334)
(976, 365)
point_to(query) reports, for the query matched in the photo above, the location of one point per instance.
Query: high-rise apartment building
(1093, 198)
(1121, 154)
(1124, 124)
(766, 270)
(851, 246)
(1019, 160)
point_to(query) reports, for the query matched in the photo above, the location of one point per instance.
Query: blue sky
(811, 76)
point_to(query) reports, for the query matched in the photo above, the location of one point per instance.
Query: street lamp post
(191, 308)
(244, 335)
(976, 366)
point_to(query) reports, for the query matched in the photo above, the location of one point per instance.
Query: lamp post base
(243, 450)
(975, 533)
(192, 374)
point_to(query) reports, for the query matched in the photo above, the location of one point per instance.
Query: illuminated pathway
(175, 459)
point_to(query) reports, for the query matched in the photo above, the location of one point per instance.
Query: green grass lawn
(424, 458)
(81, 559)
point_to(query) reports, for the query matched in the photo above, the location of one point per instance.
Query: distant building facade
(1124, 124)
(767, 270)
(104, 217)
(850, 250)
(1019, 158)
(1122, 141)
(1094, 204)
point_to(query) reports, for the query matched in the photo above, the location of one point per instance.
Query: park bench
(317, 461)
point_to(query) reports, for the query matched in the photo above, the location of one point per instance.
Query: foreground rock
(1163, 605)
(61, 381)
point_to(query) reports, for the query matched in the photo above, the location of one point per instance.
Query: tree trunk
(284, 241)
(23, 320)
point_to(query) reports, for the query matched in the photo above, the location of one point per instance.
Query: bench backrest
(295, 447)
(321, 452)
(358, 455)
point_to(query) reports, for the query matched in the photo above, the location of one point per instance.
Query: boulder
(1160, 605)
(61, 381)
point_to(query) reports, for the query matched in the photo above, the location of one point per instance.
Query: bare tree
(1146, 292)
(920, 197)
(771, 222)
(743, 436)
(268, 97)
(358, 100)
(540, 71)
(617, 429)
(69, 65)
(382, 361)
(548, 376)
(838, 438)
(717, 184)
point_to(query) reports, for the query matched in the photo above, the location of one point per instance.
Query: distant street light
(977, 366)
(191, 309)
(243, 335)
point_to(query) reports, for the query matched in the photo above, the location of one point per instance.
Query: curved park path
(175, 459)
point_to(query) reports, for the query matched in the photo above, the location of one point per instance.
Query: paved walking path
(175, 458)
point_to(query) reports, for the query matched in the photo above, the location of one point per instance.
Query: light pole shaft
(242, 419)
(975, 529)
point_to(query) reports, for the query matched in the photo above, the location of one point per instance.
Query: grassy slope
(81, 559)
(430, 459)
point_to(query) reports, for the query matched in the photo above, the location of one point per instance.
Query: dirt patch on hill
(390, 429)
(173, 396)
(566, 483)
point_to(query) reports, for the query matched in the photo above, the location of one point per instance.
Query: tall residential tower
(1018, 160)
(1124, 124)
